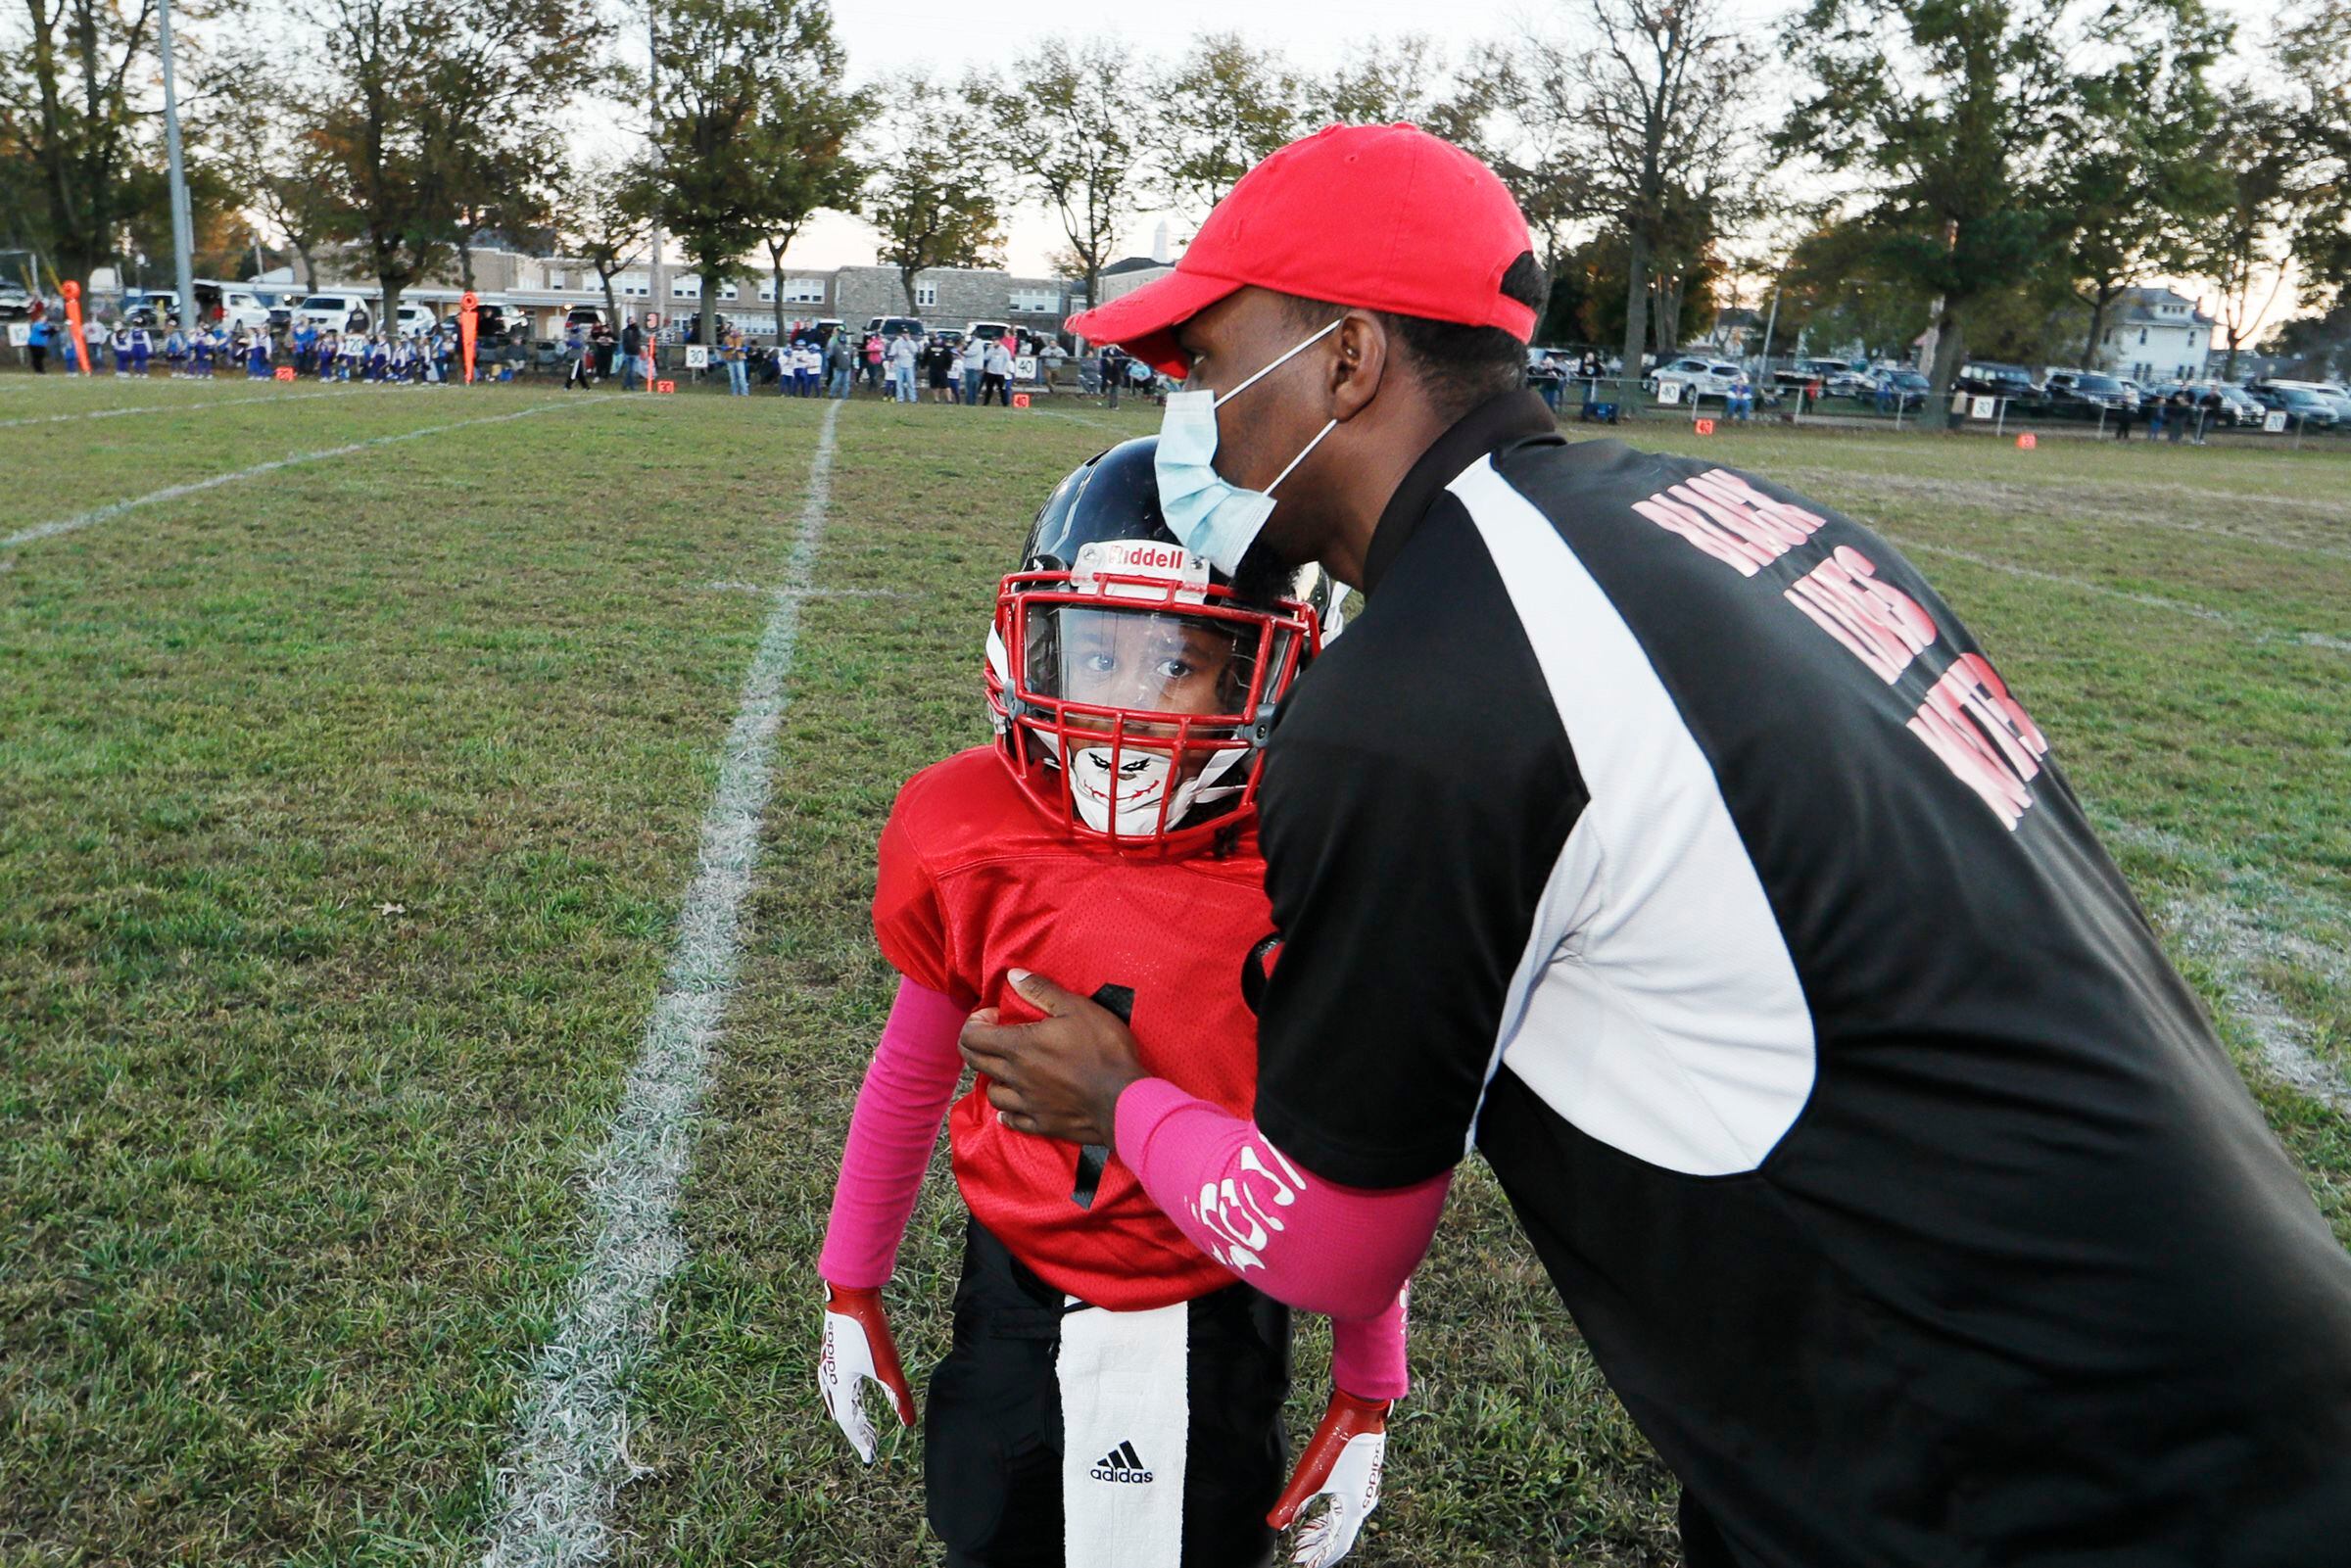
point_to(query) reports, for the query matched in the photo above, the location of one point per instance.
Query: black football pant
(991, 1429)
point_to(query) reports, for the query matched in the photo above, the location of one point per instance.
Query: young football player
(1113, 1396)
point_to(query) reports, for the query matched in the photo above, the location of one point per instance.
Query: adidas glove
(859, 1349)
(1341, 1466)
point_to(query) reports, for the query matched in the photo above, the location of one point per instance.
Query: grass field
(347, 811)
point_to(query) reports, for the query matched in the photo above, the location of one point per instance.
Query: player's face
(1148, 663)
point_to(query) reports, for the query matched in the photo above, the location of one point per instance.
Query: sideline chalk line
(570, 1448)
(116, 508)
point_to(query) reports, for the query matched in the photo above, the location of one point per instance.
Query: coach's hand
(1061, 1076)
(859, 1350)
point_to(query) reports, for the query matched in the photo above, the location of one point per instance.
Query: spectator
(36, 341)
(975, 358)
(1741, 404)
(738, 359)
(2156, 412)
(600, 345)
(996, 373)
(2125, 417)
(844, 362)
(631, 355)
(2208, 412)
(1049, 361)
(2177, 412)
(938, 370)
(901, 367)
(873, 360)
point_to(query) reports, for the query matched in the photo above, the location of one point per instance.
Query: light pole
(183, 227)
(652, 83)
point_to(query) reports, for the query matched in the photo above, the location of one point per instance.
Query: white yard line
(2201, 612)
(570, 1451)
(2239, 931)
(191, 405)
(116, 508)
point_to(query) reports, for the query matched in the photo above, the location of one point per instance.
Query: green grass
(345, 811)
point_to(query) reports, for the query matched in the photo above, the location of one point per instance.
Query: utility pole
(653, 81)
(183, 226)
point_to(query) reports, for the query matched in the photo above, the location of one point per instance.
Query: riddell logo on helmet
(1132, 557)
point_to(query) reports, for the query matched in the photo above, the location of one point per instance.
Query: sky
(947, 38)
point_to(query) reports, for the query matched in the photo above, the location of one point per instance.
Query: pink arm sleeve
(905, 1097)
(1366, 1354)
(1343, 1251)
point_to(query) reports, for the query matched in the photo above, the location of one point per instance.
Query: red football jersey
(976, 881)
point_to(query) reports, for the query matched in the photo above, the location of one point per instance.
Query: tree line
(1999, 169)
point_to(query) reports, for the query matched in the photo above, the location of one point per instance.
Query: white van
(241, 308)
(336, 312)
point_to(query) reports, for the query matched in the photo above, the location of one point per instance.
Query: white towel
(1125, 1417)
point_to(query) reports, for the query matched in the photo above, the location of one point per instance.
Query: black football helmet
(1133, 686)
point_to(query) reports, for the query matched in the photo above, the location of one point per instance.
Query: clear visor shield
(1148, 712)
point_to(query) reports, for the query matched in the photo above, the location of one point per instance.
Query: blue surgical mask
(1214, 518)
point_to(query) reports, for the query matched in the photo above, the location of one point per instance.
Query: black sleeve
(1417, 794)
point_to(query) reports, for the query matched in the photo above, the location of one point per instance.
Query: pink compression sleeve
(1344, 1251)
(907, 1090)
(1366, 1354)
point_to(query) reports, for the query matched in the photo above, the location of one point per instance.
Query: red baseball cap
(1384, 217)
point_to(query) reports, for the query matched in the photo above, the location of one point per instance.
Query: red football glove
(1342, 1464)
(859, 1349)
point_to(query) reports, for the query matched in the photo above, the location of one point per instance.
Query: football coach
(1663, 836)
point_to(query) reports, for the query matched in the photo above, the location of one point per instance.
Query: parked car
(15, 304)
(587, 317)
(889, 327)
(1907, 387)
(337, 313)
(2302, 408)
(2236, 408)
(2333, 393)
(2083, 394)
(1836, 378)
(151, 308)
(987, 329)
(1711, 378)
(1984, 379)
(415, 321)
(241, 308)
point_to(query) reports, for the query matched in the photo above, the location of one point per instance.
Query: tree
(515, 66)
(743, 83)
(74, 113)
(374, 113)
(1221, 109)
(1638, 124)
(1391, 80)
(1068, 136)
(1957, 111)
(2313, 48)
(2245, 244)
(285, 174)
(801, 150)
(600, 217)
(2135, 186)
(934, 193)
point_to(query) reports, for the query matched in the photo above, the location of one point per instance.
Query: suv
(2084, 395)
(1989, 380)
(336, 312)
(989, 329)
(887, 326)
(1837, 378)
(241, 308)
(1711, 378)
